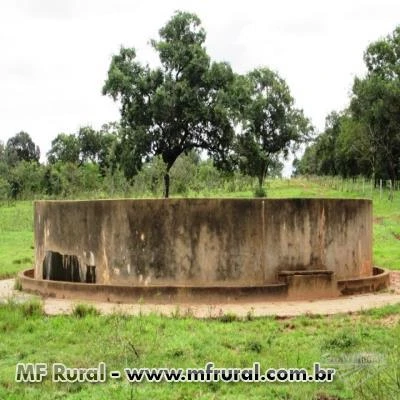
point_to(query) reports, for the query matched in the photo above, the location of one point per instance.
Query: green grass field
(184, 342)
(85, 339)
(16, 238)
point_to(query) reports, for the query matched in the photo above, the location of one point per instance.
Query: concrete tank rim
(378, 272)
(199, 199)
(171, 294)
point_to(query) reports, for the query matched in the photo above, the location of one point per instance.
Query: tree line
(189, 106)
(364, 139)
(192, 122)
(71, 172)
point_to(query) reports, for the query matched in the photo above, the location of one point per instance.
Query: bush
(260, 192)
(228, 317)
(32, 308)
(84, 310)
(341, 341)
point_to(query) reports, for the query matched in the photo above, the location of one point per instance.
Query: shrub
(84, 310)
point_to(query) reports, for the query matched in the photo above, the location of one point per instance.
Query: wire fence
(364, 186)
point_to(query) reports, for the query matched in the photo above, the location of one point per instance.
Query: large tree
(376, 104)
(21, 147)
(87, 146)
(180, 106)
(65, 148)
(271, 125)
(344, 148)
(365, 138)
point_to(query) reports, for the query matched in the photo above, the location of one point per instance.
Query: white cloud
(55, 53)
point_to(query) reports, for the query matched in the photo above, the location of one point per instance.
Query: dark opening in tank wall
(90, 274)
(66, 267)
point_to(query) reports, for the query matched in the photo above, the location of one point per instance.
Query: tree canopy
(366, 137)
(271, 124)
(376, 103)
(180, 106)
(21, 147)
(88, 145)
(64, 148)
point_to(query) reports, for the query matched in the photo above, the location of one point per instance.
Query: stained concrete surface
(202, 242)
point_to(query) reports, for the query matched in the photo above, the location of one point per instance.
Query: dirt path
(347, 304)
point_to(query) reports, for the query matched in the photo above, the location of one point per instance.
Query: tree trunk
(261, 176)
(260, 181)
(166, 185)
(169, 160)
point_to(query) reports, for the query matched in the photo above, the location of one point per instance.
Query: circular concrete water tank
(204, 244)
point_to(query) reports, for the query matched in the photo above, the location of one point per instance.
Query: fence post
(390, 191)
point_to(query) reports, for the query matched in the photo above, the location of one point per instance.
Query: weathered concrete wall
(201, 242)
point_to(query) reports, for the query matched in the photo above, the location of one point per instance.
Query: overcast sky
(55, 53)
